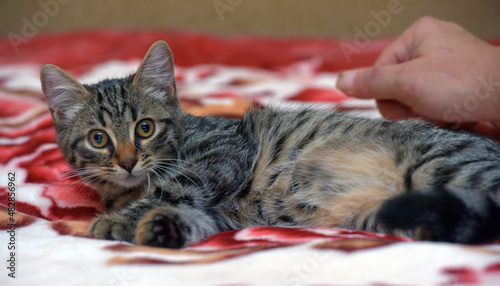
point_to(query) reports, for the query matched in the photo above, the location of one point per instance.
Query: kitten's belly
(330, 183)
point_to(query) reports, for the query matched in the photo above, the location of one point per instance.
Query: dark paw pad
(160, 230)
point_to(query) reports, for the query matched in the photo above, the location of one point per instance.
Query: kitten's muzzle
(128, 164)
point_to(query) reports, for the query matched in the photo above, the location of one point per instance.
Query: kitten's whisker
(62, 176)
(161, 183)
(94, 181)
(175, 161)
(162, 168)
(81, 174)
(87, 177)
(78, 181)
(183, 168)
(149, 182)
(167, 169)
(67, 176)
(171, 167)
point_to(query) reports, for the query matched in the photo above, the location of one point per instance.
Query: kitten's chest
(221, 154)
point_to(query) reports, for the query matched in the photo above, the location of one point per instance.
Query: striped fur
(197, 176)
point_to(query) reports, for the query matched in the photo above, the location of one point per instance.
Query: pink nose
(128, 163)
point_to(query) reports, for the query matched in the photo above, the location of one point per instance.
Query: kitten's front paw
(111, 227)
(161, 227)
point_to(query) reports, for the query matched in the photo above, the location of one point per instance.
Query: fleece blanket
(44, 213)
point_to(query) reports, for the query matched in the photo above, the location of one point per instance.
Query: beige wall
(264, 17)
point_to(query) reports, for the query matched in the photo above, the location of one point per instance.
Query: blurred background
(300, 18)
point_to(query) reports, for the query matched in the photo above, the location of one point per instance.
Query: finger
(496, 124)
(394, 110)
(382, 82)
(489, 129)
(399, 51)
(405, 47)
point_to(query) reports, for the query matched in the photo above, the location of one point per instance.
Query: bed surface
(215, 76)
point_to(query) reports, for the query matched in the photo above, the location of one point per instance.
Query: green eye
(98, 138)
(145, 128)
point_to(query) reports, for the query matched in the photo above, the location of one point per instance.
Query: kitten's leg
(115, 201)
(121, 225)
(174, 227)
(149, 221)
(459, 200)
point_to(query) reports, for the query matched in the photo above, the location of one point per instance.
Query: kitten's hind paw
(161, 227)
(436, 215)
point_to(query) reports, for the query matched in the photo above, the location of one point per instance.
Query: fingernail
(345, 81)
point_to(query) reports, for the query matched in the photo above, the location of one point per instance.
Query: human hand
(435, 70)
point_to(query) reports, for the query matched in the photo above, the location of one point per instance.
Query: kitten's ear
(155, 76)
(64, 95)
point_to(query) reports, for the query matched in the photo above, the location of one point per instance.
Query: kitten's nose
(128, 163)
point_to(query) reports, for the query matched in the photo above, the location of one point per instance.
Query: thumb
(378, 82)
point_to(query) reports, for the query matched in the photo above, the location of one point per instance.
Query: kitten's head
(118, 131)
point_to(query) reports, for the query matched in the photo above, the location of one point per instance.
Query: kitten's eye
(98, 138)
(145, 128)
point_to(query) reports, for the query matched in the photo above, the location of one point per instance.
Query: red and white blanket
(44, 215)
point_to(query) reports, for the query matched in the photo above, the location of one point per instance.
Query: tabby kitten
(171, 179)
